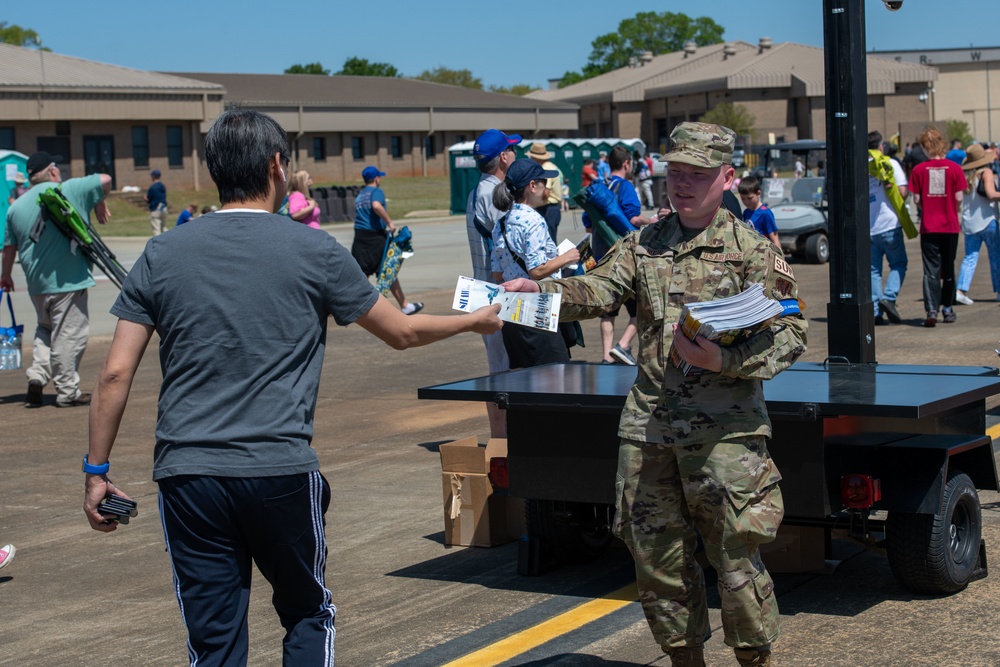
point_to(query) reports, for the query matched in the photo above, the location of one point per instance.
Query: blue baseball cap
(155, 173)
(371, 173)
(525, 171)
(491, 143)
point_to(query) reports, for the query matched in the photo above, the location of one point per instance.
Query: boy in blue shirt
(187, 214)
(756, 213)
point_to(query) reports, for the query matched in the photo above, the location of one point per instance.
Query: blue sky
(516, 41)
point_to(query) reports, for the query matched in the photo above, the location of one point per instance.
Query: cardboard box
(473, 514)
(795, 549)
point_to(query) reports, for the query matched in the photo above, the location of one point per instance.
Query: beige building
(967, 87)
(126, 122)
(104, 118)
(781, 85)
(338, 125)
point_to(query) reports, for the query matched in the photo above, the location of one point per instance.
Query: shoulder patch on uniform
(783, 289)
(722, 256)
(782, 267)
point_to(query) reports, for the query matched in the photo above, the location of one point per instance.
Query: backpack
(605, 200)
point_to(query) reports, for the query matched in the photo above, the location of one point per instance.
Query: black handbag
(572, 333)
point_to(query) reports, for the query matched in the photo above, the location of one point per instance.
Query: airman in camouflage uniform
(693, 455)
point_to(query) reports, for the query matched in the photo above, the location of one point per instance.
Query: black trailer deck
(562, 421)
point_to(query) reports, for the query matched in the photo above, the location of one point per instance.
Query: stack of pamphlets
(726, 321)
(530, 309)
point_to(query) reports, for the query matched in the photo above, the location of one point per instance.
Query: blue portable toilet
(11, 162)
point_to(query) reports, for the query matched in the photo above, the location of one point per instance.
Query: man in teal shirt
(58, 276)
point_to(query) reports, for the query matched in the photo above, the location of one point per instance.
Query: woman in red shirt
(937, 186)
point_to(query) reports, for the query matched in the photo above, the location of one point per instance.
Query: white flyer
(539, 311)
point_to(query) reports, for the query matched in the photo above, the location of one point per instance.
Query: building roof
(361, 91)
(733, 66)
(32, 69)
(627, 83)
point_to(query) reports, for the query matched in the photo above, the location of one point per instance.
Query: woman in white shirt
(523, 248)
(979, 221)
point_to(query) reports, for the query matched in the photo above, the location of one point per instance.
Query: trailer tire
(818, 249)
(937, 554)
(568, 532)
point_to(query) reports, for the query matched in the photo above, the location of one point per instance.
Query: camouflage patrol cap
(701, 144)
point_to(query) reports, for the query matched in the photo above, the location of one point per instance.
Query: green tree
(658, 32)
(516, 89)
(734, 116)
(309, 68)
(452, 77)
(959, 129)
(361, 67)
(18, 36)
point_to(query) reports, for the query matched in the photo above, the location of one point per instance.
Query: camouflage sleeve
(607, 286)
(773, 350)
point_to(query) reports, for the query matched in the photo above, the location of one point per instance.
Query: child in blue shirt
(187, 214)
(756, 213)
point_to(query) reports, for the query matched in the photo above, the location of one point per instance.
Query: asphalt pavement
(73, 596)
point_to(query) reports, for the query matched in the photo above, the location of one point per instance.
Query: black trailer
(891, 455)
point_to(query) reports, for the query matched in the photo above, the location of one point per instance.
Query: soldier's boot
(754, 657)
(686, 656)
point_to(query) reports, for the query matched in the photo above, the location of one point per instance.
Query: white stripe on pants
(60, 340)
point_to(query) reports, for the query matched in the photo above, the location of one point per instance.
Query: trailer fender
(914, 470)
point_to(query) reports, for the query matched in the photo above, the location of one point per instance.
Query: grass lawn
(403, 194)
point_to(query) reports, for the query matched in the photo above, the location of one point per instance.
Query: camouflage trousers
(728, 493)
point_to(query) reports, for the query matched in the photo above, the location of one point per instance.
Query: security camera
(893, 5)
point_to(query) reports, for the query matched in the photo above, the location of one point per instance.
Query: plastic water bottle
(7, 361)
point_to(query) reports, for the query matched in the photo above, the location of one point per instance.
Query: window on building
(358, 148)
(396, 145)
(459, 138)
(319, 149)
(140, 145)
(175, 146)
(430, 147)
(6, 138)
(62, 128)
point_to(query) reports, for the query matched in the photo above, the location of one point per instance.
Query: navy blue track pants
(215, 528)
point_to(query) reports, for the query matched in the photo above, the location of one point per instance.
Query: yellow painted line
(524, 641)
(994, 431)
(575, 618)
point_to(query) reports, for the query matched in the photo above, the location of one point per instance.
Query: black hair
(504, 198)
(749, 185)
(875, 139)
(618, 157)
(238, 150)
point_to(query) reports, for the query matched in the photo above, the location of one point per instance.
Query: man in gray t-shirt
(240, 299)
(494, 153)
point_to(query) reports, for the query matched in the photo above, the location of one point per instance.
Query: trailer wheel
(937, 553)
(569, 532)
(818, 249)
